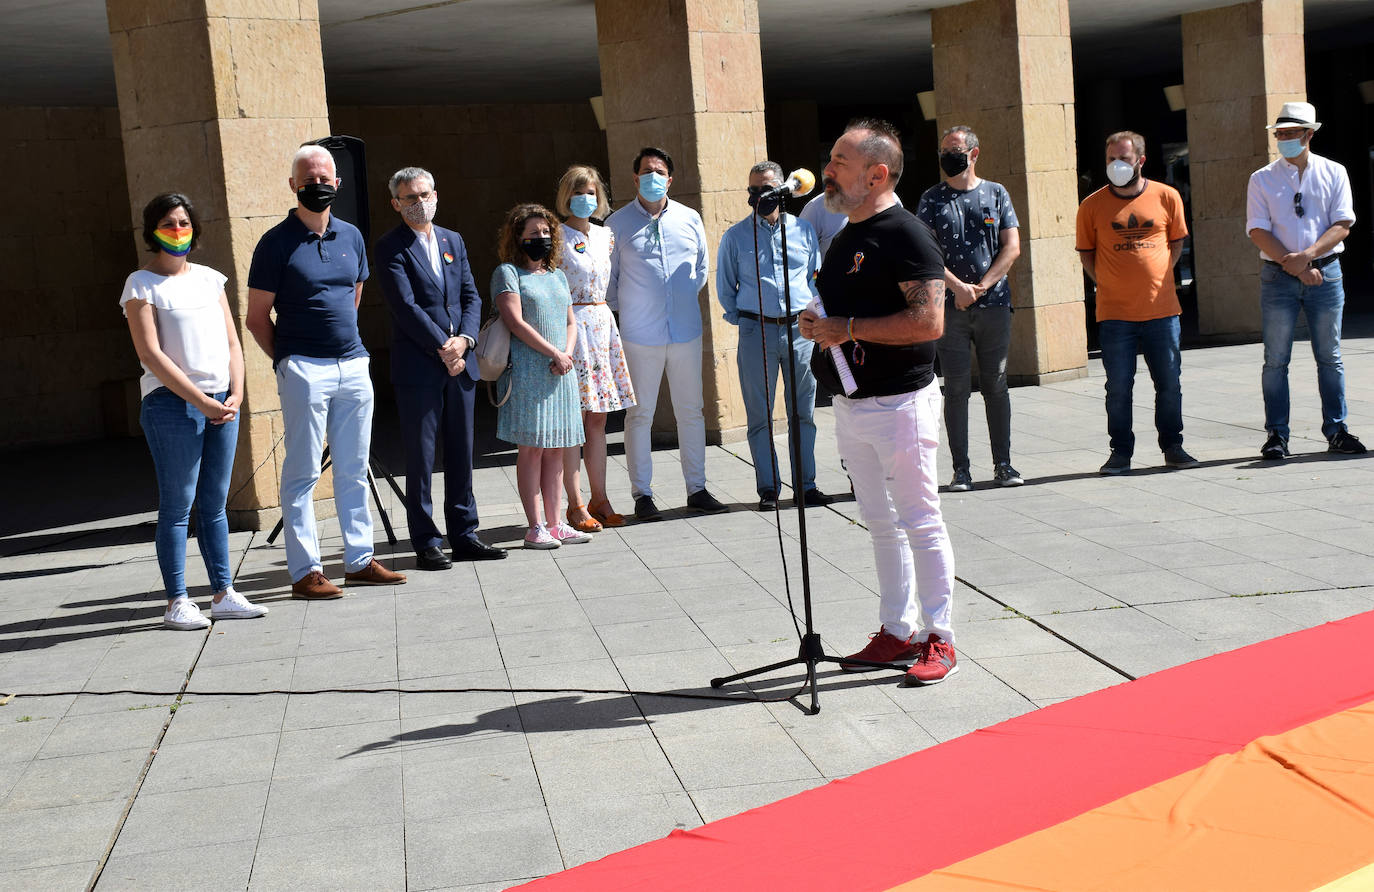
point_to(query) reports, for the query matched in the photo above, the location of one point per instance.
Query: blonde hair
(508, 236)
(576, 177)
(1136, 140)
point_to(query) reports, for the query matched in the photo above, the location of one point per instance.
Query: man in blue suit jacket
(435, 310)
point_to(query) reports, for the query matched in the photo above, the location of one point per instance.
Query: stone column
(687, 75)
(1240, 64)
(1004, 68)
(214, 98)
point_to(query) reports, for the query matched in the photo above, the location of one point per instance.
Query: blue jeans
(759, 368)
(193, 459)
(319, 397)
(1157, 339)
(1281, 296)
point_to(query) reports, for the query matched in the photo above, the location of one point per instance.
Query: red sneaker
(935, 662)
(882, 648)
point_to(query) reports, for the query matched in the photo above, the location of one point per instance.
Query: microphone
(799, 182)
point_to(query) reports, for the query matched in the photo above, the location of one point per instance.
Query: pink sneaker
(882, 647)
(566, 535)
(935, 662)
(539, 537)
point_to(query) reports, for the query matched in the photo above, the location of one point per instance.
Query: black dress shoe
(703, 501)
(432, 558)
(645, 509)
(768, 501)
(814, 498)
(474, 549)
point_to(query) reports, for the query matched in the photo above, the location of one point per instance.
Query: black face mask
(537, 248)
(953, 163)
(766, 206)
(316, 197)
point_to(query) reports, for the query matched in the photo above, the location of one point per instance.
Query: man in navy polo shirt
(310, 268)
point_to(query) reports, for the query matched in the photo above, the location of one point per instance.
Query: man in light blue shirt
(752, 296)
(658, 268)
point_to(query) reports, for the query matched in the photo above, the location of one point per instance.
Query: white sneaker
(539, 537)
(184, 616)
(236, 606)
(566, 535)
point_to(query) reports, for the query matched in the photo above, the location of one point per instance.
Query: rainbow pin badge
(448, 258)
(858, 262)
(580, 247)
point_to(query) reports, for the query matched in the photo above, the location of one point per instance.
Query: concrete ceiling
(56, 52)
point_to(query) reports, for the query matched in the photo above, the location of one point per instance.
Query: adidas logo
(1133, 233)
(1134, 229)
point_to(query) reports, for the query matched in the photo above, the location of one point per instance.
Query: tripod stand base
(809, 654)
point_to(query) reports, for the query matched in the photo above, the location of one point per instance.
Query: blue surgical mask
(1290, 148)
(582, 205)
(653, 186)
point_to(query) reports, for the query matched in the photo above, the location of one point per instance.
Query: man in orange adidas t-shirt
(1130, 235)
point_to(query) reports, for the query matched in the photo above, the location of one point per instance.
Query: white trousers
(888, 445)
(647, 364)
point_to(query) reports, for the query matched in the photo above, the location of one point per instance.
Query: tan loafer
(315, 586)
(374, 574)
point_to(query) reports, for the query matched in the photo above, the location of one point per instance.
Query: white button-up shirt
(658, 268)
(431, 246)
(1326, 199)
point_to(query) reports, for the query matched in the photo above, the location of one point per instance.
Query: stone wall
(65, 248)
(67, 367)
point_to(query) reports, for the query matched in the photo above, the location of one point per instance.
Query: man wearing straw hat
(1298, 212)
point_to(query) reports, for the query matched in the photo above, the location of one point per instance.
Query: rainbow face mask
(175, 241)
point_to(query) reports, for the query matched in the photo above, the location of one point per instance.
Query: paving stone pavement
(495, 768)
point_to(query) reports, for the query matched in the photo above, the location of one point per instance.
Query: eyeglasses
(1297, 204)
(414, 198)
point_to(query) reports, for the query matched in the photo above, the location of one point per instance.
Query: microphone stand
(811, 651)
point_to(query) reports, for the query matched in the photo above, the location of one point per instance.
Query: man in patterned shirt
(978, 230)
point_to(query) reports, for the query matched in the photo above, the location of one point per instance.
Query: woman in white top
(603, 378)
(192, 386)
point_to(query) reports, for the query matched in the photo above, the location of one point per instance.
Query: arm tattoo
(920, 295)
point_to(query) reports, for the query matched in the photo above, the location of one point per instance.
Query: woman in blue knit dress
(544, 413)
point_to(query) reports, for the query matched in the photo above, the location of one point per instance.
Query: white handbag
(493, 348)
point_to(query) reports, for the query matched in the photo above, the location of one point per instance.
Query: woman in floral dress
(603, 378)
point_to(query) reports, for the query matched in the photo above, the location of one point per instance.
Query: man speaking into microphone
(883, 291)
(750, 290)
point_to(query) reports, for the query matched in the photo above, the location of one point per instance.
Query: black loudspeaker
(350, 162)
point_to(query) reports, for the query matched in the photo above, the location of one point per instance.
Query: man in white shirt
(1298, 212)
(658, 268)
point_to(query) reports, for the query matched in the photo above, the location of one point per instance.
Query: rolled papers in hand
(841, 364)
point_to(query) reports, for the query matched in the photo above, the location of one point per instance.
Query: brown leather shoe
(374, 574)
(315, 586)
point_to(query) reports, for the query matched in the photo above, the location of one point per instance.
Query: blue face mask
(583, 205)
(1290, 148)
(653, 186)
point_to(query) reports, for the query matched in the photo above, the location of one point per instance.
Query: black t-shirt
(859, 278)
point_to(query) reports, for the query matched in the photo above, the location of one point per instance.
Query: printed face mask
(175, 240)
(1290, 148)
(316, 196)
(582, 205)
(766, 205)
(953, 163)
(421, 212)
(653, 186)
(537, 248)
(1122, 174)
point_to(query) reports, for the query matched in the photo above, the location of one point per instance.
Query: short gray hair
(772, 167)
(970, 138)
(311, 150)
(405, 175)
